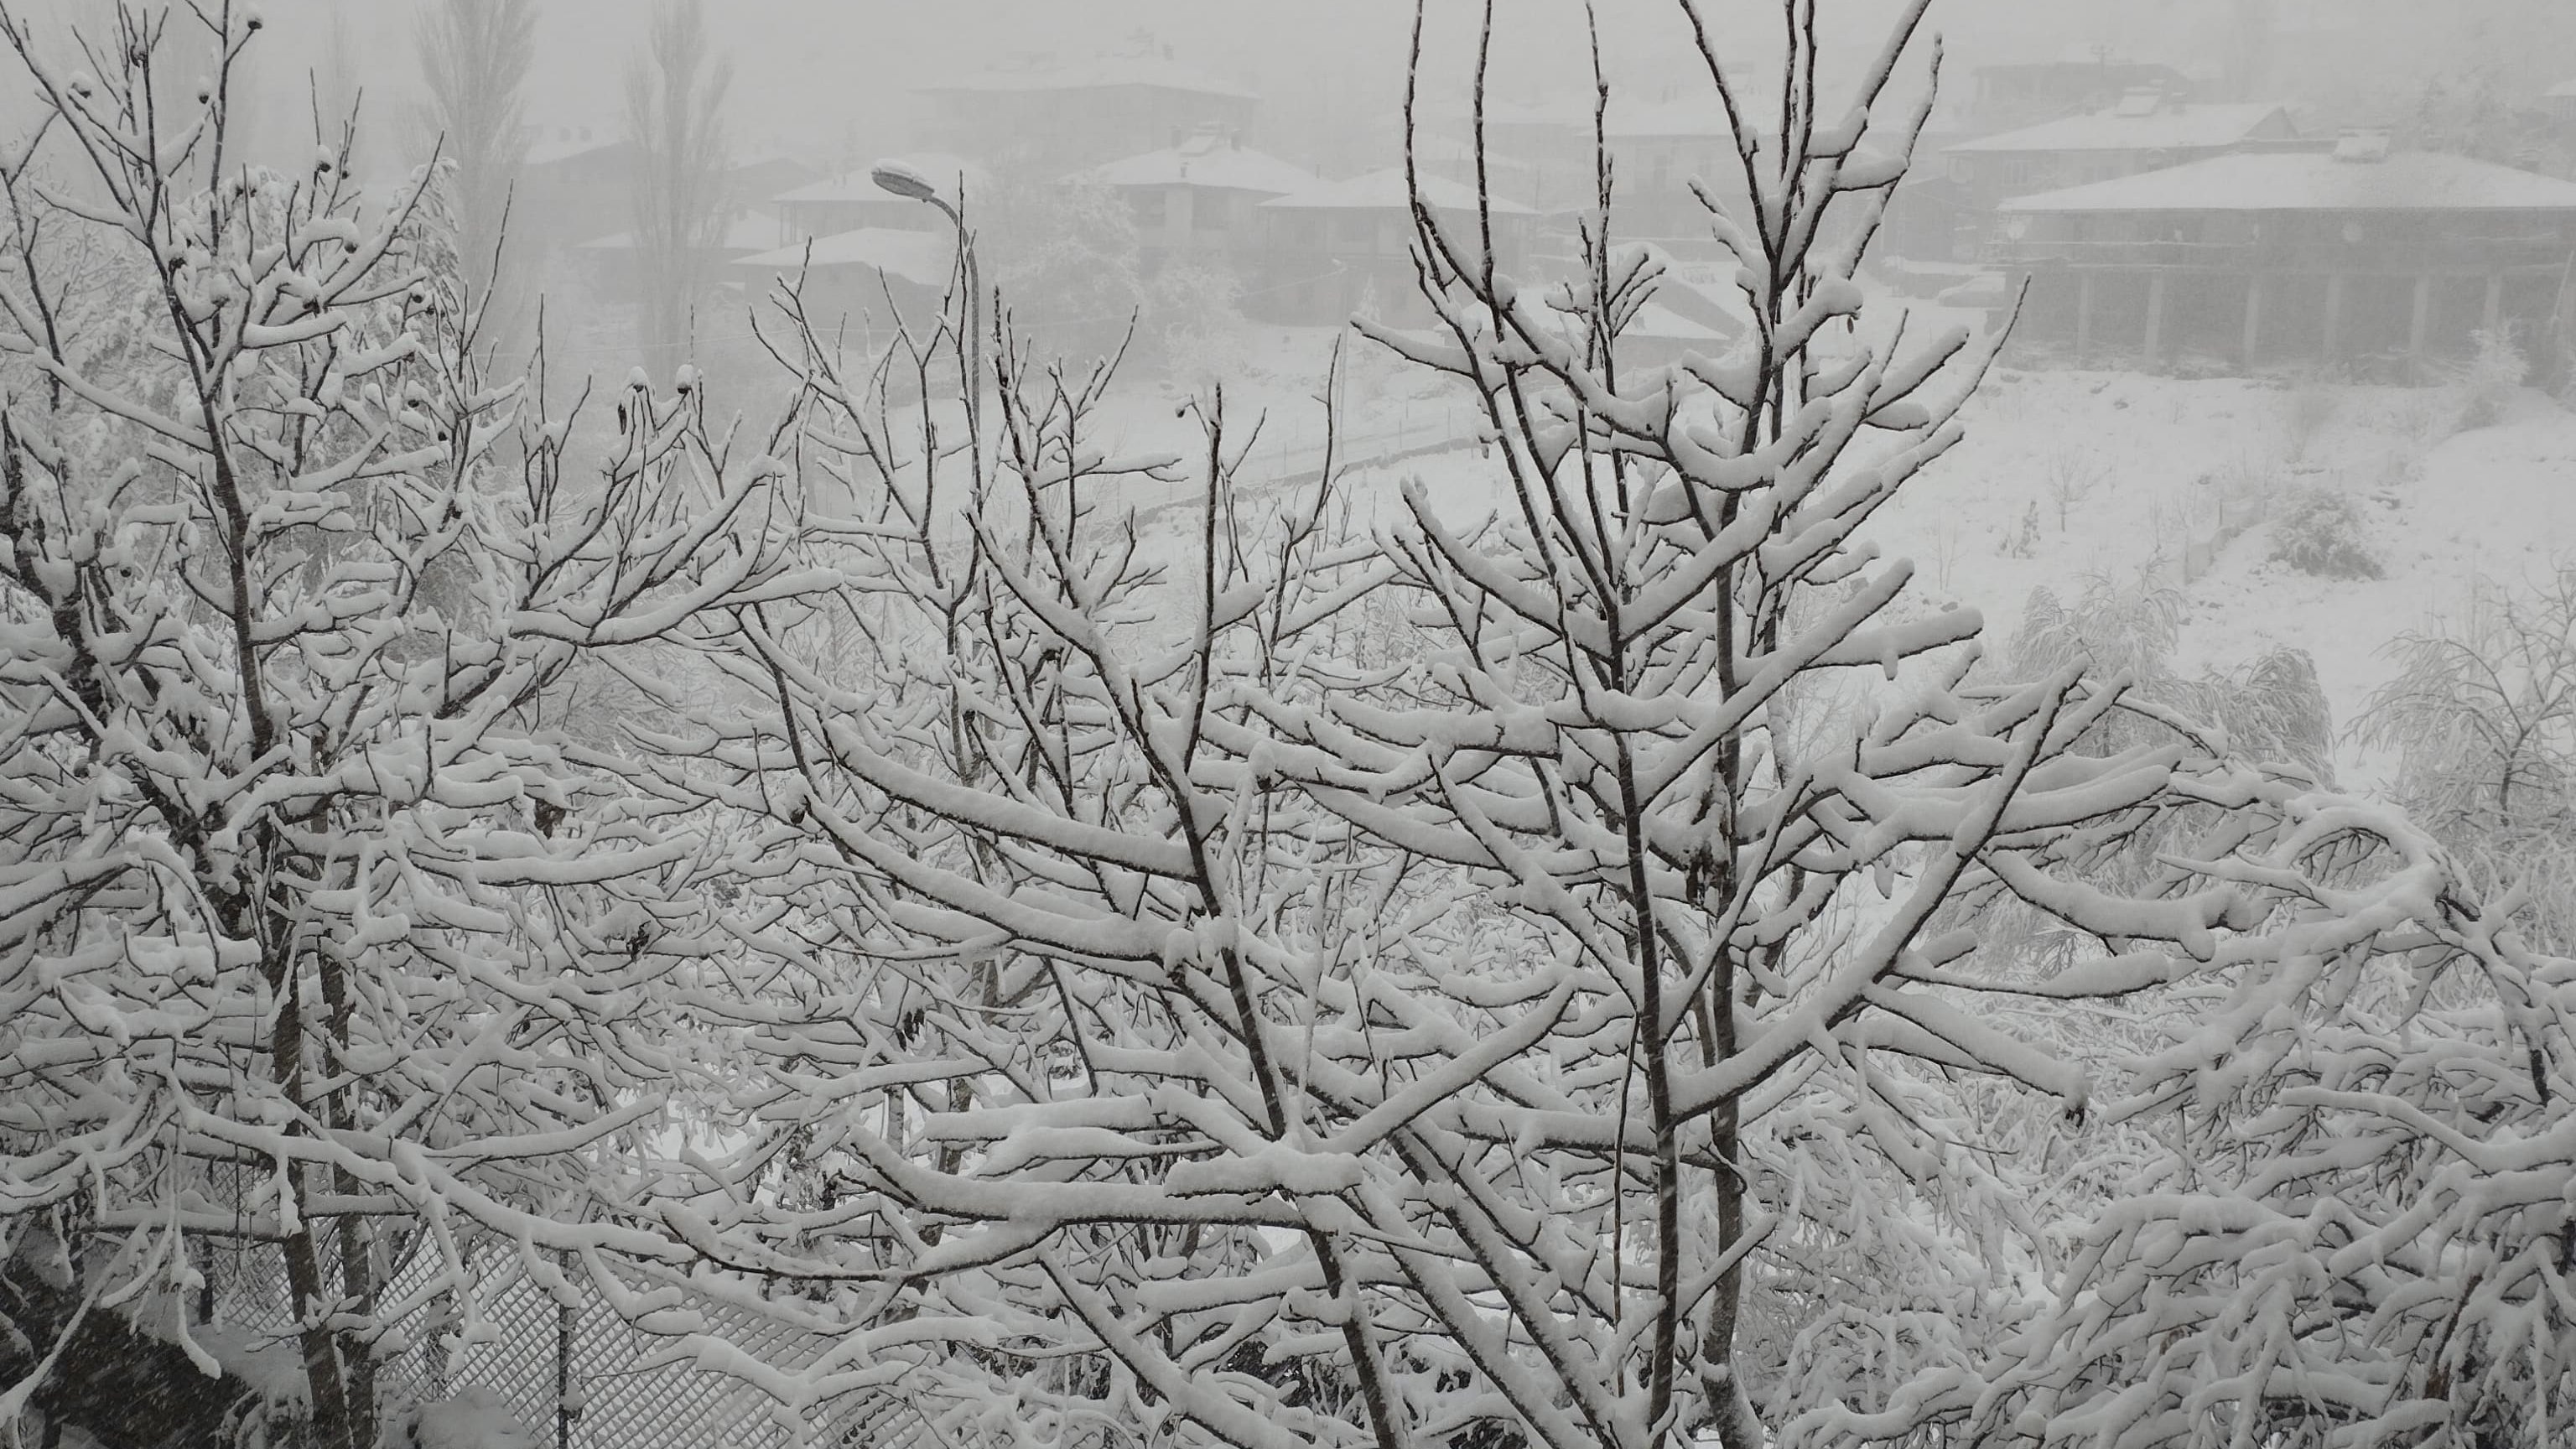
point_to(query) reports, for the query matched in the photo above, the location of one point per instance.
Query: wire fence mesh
(576, 1377)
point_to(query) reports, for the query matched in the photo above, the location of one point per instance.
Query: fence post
(567, 1322)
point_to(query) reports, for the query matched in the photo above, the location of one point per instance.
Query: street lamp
(897, 179)
(903, 181)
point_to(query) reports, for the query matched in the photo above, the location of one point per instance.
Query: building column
(2419, 327)
(2155, 314)
(2333, 348)
(2083, 314)
(2253, 319)
(2495, 304)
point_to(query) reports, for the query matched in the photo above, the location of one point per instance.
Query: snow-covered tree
(2331, 1202)
(1214, 1005)
(979, 757)
(2230, 1245)
(474, 59)
(1521, 981)
(1615, 972)
(676, 84)
(2481, 715)
(318, 928)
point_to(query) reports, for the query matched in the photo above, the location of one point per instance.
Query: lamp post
(897, 179)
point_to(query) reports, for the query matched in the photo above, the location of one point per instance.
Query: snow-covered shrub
(2071, 471)
(2313, 1158)
(1191, 315)
(2489, 381)
(2324, 531)
(1068, 252)
(2023, 541)
(472, 1419)
(2481, 714)
(2306, 411)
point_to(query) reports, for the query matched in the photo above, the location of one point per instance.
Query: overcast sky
(818, 66)
(823, 75)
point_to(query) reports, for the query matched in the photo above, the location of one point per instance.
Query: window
(1211, 210)
(1148, 206)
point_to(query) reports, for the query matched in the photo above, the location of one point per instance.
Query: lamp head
(897, 179)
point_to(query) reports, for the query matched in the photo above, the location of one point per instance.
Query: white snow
(2165, 453)
(473, 1419)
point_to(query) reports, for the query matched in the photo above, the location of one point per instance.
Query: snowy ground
(2147, 470)
(2150, 466)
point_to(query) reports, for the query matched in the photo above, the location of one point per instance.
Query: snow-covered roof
(2171, 128)
(1456, 115)
(916, 256)
(2316, 181)
(1699, 115)
(1385, 190)
(2564, 90)
(937, 167)
(1210, 162)
(1569, 112)
(751, 232)
(1656, 320)
(564, 148)
(2023, 47)
(1102, 73)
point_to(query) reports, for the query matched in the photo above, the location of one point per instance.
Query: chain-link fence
(576, 1377)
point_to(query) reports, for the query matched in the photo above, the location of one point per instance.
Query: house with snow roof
(865, 279)
(574, 184)
(2147, 130)
(1538, 152)
(1657, 149)
(2559, 104)
(2356, 258)
(1341, 247)
(853, 201)
(1199, 199)
(612, 263)
(1086, 111)
(2010, 94)
(1547, 146)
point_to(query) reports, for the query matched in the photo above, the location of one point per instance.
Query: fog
(822, 62)
(1331, 69)
(1159, 724)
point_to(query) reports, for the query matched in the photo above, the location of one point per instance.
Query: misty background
(1330, 72)
(819, 91)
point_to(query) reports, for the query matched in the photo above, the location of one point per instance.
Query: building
(2146, 131)
(574, 185)
(1537, 152)
(753, 180)
(1062, 116)
(854, 201)
(609, 263)
(1657, 150)
(2559, 105)
(581, 193)
(2356, 258)
(1549, 147)
(2005, 97)
(868, 278)
(1341, 247)
(1199, 199)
